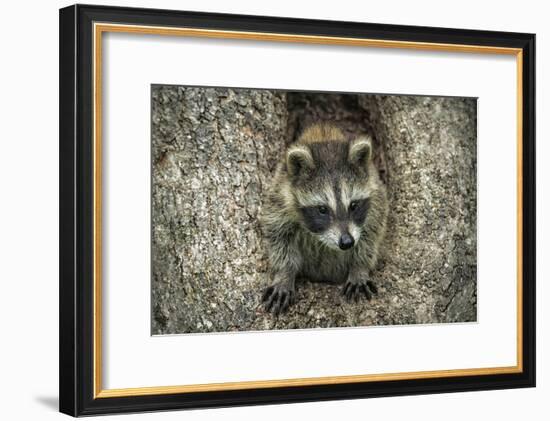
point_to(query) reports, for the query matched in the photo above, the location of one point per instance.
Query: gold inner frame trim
(100, 28)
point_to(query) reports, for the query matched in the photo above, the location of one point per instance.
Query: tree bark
(431, 247)
(214, 152)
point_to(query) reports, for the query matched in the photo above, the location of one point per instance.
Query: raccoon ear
(298, 160)
(360, 151)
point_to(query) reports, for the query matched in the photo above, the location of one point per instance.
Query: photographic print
(311, 197)
(280, 209)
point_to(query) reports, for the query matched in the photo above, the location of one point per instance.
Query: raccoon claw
(372, 287)
(277, 299)
(353, 290)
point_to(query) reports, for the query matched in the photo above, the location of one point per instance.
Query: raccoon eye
(323, 210)
(353, 205)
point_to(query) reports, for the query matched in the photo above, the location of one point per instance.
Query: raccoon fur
(324, 217)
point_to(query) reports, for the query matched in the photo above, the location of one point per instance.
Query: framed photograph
(262, 210)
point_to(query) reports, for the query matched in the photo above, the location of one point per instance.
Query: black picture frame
(76, 290)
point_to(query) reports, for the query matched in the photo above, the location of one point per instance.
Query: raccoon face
(337, 229)
(331, 188)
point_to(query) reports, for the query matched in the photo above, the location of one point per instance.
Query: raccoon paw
(354, 290)
(277, 298)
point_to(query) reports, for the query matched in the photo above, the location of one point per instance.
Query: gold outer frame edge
(519, 190)
(100, 28)
(311, 381)
(97, 229)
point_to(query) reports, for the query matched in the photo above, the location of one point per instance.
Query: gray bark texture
(430, 266)
(214, 151)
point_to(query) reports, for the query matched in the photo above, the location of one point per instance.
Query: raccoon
(324, 216)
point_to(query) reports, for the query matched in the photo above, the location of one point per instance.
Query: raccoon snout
(346, 241)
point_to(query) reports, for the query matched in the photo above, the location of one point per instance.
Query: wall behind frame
(28, 217)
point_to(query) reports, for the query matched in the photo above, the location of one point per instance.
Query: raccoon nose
(346, 241)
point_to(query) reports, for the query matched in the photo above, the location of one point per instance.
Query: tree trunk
(214, 153)
(430, 148)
